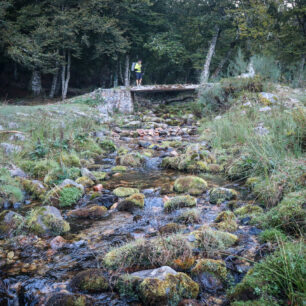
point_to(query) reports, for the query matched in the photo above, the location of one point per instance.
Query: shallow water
(36, 270)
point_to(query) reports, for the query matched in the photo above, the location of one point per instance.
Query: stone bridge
(122, 99)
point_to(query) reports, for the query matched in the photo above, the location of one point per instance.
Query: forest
(54, 48)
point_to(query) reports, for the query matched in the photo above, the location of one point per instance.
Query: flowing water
(34, 270)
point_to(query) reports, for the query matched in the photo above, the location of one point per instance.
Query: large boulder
(226, 221)
(46, 220)
(161, 286)
(190, 184)
(132, 202)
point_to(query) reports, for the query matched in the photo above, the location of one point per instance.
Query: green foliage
(238, 65)
(279, 277)
(108, 146)
(9, 188)
(40, 151)
(266, 67)
(68, 196)
(272, 235)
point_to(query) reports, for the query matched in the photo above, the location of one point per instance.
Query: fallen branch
(13, 132)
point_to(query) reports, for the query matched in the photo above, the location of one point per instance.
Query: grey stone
(17, 172)
(13, 125)
(87, 173)
(18, 137)
(159, 273)
(67, 182)
(265, 109)
(10, 148)
(272, 98)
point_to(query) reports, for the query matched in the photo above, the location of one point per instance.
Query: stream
(33, 270)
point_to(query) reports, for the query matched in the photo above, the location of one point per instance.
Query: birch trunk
(36, 83)
(53, 85)
(127, 71)
(222, 63)
(211, 51)
(66, 74)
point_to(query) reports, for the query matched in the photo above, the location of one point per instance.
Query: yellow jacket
(138, 67)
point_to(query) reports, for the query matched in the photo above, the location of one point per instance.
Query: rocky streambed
(153, 222)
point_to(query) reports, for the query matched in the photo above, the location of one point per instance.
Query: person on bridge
(138, 70)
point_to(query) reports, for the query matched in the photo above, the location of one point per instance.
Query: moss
(85, 181)
(272, 235)
(214, 168)
(69, 196)
(125, 192)
(34, 188)
(189, 216)
(27, 165)
(251, 181)
(63, 196)
(91, 280)
(179, 202)
(226, 221)
(289, 215)
(10, 222)
(55, 226)
(42, 168)
(119, 169)
(69, 160)
(100, 176)
(10, 188)
(170, 162)
(169, 291)
(57, 175)
(213, 240)
(60, 299)
(130, 160)
(137, 199)
(108, 146)
(248, 209)
(127, 286)
(216, 267)
(190, 184)
(219, 195)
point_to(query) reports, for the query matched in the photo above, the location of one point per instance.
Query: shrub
(267, 67)
(272, 235)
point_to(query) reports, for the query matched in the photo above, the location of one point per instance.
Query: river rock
(124, 191)
(106, 200)
(85, 172)
(219, 195)
(63, 299)
(69, 182)
(161, 286)
(57, 243)
(91, 212)
(10, 148)
(9, 222)
(47, 220)
(91, 280)
(179, 202)
(190, 184)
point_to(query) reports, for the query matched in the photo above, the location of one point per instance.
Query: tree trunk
(211, 51)
(36, 83)
(127, 71)
(53, 85)
(222, 63)
(66, 74)
(15, 72)
(120, 72)
(301, 72)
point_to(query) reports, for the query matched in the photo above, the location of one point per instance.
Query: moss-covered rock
(219, 195)
(9, 222)
(124, 191)
(226, 221)
(85, 181)
(63, 196)
(214, 168)
(272, 235)
(137, 199)
(91, 280)
(99, 176)
(46, 220)
(289, 215)
(89, 212)
(119, 169)
(190, 184)
(248, 209)
(130, 160)
(35, 188)
(162, 286)
(179, 202)
(65, 299)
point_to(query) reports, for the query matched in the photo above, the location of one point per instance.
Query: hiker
(138, 70)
